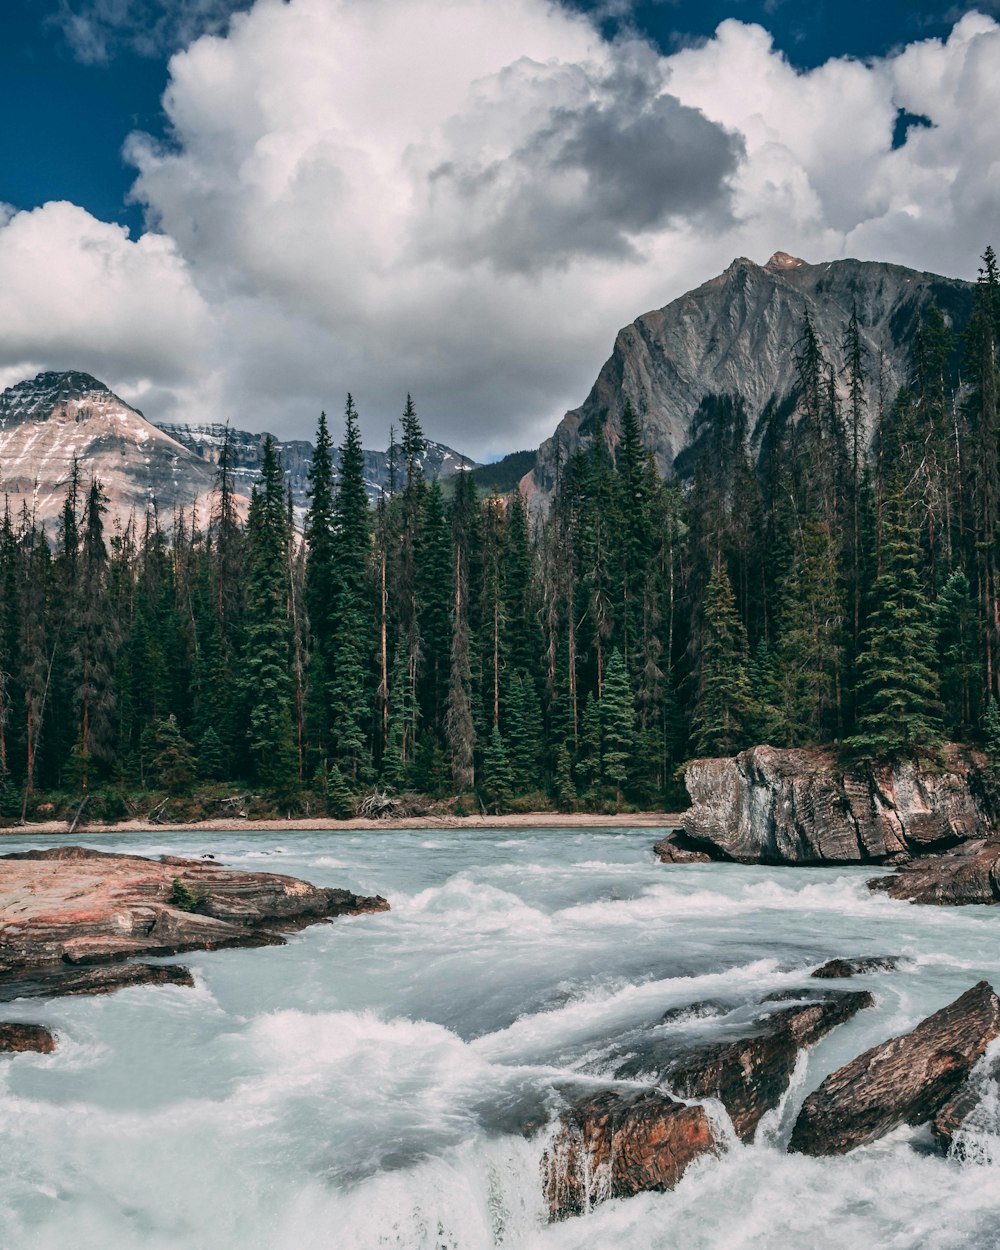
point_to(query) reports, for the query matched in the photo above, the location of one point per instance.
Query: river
(364, 1086)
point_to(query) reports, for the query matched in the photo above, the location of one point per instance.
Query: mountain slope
(736, 336)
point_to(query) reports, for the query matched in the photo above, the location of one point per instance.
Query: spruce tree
(724, 710)
(339, 800)
(496, 784)
(211, 765)
(958, 660)
(617, 724)
(899, 709)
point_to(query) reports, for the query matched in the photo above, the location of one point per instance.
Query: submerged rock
(615, 1144)
(73, 905)
(969, 874)
(836, 968)
(906, 1080)
(673, 850)
(750, 1075)
(17, 1038)
(800, 807)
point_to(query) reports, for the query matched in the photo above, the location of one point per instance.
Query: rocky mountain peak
(37, 398)
(780, 262)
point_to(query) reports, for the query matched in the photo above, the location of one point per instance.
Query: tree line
(830, 589)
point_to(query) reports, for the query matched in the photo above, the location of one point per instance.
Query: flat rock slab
(616, 1144)
(74, 905)
(970, 874)
(751, 1074)
(834, 969)
(62, 981)
(906, 1080)
(17, 1038)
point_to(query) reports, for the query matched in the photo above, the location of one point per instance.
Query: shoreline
(324, 824)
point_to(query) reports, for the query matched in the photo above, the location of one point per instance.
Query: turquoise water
(365, 1085)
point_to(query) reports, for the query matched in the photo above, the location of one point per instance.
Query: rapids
(366, 1085)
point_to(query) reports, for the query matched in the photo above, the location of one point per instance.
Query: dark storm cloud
(592, 178)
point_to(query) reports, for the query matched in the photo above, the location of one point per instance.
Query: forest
(832, 588)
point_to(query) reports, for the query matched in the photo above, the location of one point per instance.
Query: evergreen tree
(496, 784)
(724, 711)
(958, 660)
(169, 759)
(617, 724)
(339, 800)
(899, 711)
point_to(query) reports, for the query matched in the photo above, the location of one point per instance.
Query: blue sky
(465, 200)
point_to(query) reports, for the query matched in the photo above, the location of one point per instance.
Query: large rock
(615, 1144)
(750, 1074)
(837, 969)
(18, 1038)
(72, 905)
(969, 874)
(906, 1080)
(65, 981)
(800, 807)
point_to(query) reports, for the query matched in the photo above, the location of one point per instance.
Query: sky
(243, 209)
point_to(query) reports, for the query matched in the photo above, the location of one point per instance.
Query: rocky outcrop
(750, 1074)
(906, 1080)
(673, 850)
(834, 969)
(18, 1038)
(956, 1111)
(618, 1143)
(969, 874)
(801, 807)
(64, 981)
(72, 905)
(709, 367)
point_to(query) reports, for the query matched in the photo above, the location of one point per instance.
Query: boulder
(957, 1110)
(64, 981)
(618, 1143)
(801, 807)
(968, 874)
(73, 905)
(16, 1038)
(906, 1080)
(836, 968)
(672, 850)
(750, 1074)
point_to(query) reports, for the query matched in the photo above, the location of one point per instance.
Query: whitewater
(388, 1082)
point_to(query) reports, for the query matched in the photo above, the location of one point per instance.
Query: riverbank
(520, 820)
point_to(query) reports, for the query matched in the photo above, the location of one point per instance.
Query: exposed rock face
(619, 1143)
(78, 906)
(64, 981)
(750, 1074)
(727, 350)
(799, 807)
(17, 1038)
(969, 874)
(836, 968)
(906, 1080)
(956, 1111)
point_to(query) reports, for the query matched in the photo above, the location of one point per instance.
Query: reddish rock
(751, 1074)
(906, 1080)
(78, 906)
(16, 1038)
(616, 1144)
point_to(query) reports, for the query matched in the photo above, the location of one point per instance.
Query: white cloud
(466, 200)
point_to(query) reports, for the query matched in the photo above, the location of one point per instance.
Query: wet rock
(63, 981)
(800, 807)
(673, 849)
(969, 874)
(750, 1074)
(17, 1038)
(704, 1010)
(615, 1144)
(906, 1080)
(78, 906)
(836, 968)
(953, 1115)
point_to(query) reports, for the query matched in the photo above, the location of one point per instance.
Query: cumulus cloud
(466, 200)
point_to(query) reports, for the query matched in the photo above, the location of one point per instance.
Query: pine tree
(617, 724)
(899, 711)
(320, 579)
(958, 661)
(339, 800)
(589, 763)
(211, 756)
(724, 711)
(496, 784)
(271, 738)
(169, 759)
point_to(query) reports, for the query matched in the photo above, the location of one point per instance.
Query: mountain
(54, 418)
(735, 337)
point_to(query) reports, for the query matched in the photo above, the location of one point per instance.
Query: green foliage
(724, 711)
(618, 724)
(168, 758)
(496, 783)
(211, 765)
(184, 898)
(339, 800)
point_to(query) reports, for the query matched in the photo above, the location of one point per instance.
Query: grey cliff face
(734, 338)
